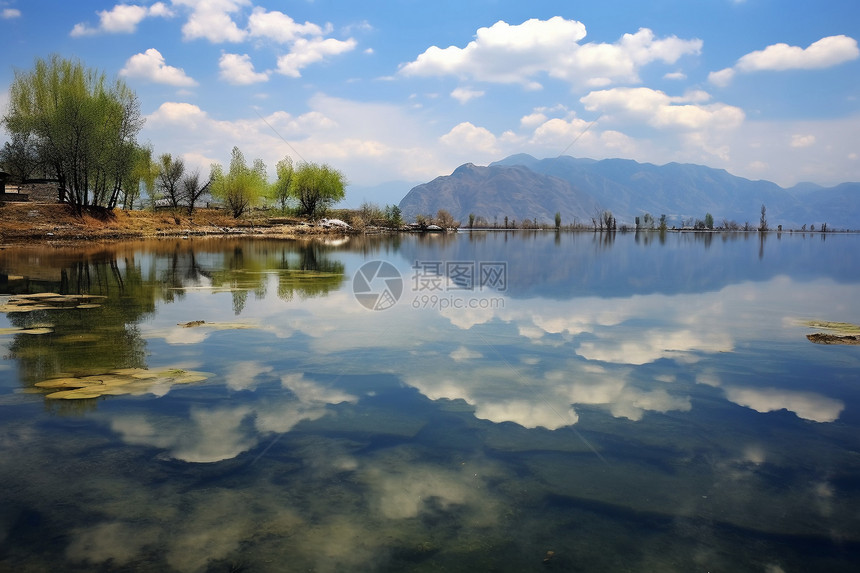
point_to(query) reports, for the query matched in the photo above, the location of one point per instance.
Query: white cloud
(722, 78)
(463, 95)
(516, 54)
(238, 69)
(806, 405)
(243, 375)
(650, 346)
(660, 110)
(279, 27)
(122, 19)
(211, 20)
(305, 52)
(161, 9)
(825, 53)
(9, 13)
(151, 66)
(183, 114)
(463, 354)
(532, 120)
(469, 136)
(799, 140)
(371, 139)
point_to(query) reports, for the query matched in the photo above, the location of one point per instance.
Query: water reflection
(635, 403)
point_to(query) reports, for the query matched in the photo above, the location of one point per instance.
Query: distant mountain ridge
(522, 187)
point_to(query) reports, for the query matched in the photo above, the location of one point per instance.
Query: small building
(11, 193)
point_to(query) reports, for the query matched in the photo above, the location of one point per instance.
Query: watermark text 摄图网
(436, 284)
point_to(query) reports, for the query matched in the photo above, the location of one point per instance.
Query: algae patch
(840, 332)
(49, 301)
(118, 382)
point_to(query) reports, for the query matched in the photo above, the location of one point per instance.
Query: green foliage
(558, 220)
(20, 157)
(144, 170)
(241, 187)
(84, 126)
(279, 192)
(393, 216)
(316, 188)
(709, 221)
(663, 226)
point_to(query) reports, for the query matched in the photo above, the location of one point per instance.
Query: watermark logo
(377, 285)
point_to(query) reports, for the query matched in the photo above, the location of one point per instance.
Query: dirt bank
(48, 223)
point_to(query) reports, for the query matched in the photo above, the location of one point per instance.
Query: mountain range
(522, 187)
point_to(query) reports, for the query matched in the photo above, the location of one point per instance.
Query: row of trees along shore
(604, 220)
(72, 124)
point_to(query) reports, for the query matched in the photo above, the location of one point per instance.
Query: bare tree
(193, 189)
(170, 173)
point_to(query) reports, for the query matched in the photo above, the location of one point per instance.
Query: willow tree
(279, 192)
(242, 186)
(316, 187)
(144, 171)
(84, 123)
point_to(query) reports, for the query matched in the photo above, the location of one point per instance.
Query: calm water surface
(524, 402)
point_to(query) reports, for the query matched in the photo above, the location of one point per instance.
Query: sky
(398, 92)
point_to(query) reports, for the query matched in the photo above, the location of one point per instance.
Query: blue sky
(407, 90)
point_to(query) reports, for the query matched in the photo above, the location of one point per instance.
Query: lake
(493, 401)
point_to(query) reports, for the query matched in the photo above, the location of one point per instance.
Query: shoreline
(56, 224)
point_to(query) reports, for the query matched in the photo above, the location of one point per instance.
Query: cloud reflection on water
(215, 434)
(597, 347)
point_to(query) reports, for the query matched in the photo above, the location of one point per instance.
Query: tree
(280, 190)
(709, 221)
(445, 220)
(608, 221)
(144, 170)
(170, 172)
(20, 157)
(762, 225)
(558, 220)
(393, 216)
(471, 220)
(663, 226)
(192, 189)
(316, 187)
(241, 187)
(84, 125)
(648, 221)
